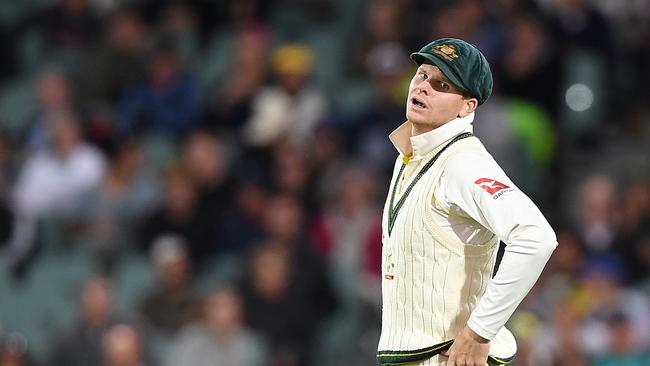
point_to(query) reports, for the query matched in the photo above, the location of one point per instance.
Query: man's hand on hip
(469, 349)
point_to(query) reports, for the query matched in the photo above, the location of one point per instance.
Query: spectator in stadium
(126, 195)
(381, 24)
(468, 20)
(292, 171)
(179, 23)
(624, 349)
(639, 261)
(248, 212)
(326, 155)
(81, 343)
(168, 102)
(348, 231)
(168, 306)
(579, 24)
(57, 177)
(13, 350)
(606, 297)
(286, 291)
(122, 346)
(116, 62)
(232, 102)
(54, 181)
(67, 25)
(179, 215)
(293, 107)
(204, 155)
(559, 339)
(284, 220)
(598, 222)
(220, 337)
(269, 306)
(530, 65)
(53, 96)
(387, 64)
(634, 237)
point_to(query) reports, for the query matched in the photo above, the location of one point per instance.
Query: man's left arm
(477, 185)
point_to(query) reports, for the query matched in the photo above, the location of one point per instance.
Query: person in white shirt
(53, 183)
(448, 206)
(293, 108)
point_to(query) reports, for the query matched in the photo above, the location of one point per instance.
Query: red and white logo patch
(491, 186)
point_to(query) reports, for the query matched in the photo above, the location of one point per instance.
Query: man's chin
(415, 117)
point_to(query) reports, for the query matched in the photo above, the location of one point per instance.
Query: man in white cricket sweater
(448, 206)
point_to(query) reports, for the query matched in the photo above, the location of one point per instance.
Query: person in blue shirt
(168, 102)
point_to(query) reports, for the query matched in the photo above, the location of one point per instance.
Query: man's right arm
(475, 183)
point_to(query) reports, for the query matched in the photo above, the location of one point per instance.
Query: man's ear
(469, 106)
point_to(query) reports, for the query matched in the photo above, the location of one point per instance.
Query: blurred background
(200, 182)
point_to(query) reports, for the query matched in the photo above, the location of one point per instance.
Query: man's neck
(419, 129)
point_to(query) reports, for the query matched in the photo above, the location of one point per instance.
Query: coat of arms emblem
(446, 51)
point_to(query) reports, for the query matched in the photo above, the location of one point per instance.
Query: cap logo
(446, 51)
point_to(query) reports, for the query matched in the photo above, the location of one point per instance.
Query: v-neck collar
(393, 207)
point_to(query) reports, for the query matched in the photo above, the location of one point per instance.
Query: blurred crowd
(200, 182)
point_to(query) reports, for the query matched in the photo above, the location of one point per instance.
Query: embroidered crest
(446, 51)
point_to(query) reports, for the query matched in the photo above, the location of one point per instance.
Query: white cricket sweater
(438, 259)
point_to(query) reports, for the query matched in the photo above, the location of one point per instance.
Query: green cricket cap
(462, 63)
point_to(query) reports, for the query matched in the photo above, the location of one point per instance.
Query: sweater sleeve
(477, 185)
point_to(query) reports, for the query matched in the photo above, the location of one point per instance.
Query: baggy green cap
(462, 63)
